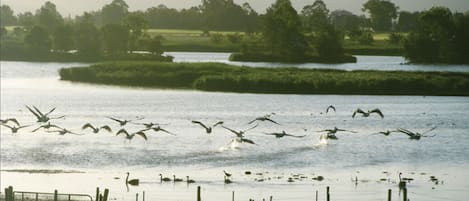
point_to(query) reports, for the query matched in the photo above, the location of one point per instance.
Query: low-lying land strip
(228, 78)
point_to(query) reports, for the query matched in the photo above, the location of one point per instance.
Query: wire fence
(11, 195)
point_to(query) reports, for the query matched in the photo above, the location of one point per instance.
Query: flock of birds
(44, 122)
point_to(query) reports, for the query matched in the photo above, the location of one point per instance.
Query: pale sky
(74, 7)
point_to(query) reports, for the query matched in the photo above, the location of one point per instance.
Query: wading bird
(46, 126)
(121, 122)
(415, 135)
(5, 121)
(165, 179)
(264, 118)
(227, 174)
(367, 114)
(42, 118)
(227, 180)
(15, 129)
(96, 129)
(189, 181)
(331, 107)
(131, 136)
(283, 134)
(402, 183)
(208, 129)
(177, 179)
(133, 182)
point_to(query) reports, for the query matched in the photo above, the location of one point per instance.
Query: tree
(7, 17)
(27, 20)
(115, 38)
(407, 21)
(3, 31)
(114, 13)
(329, 43)
(38, 40)
(87, 40)
(382, 12)
(315, 16)
(48, 17)
(137, 24)
(282, 31)
(345, 20)
(63, 38)
(216, 12)
(154, 45)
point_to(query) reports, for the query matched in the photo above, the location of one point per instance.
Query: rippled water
(192, 152)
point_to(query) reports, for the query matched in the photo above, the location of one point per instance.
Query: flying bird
(96, 129)
(46, 126)
(208, 129)
(132, 135)
(42, 118)
(264, 118)
(415, 135)
(367, 114)
(150, 125)
(121, 122)
(5, 121)
(158, 128)
(240, 134)
(64, 131)
(331, 133)
(385, 133)
(15, 129)
(283, 134)
(331, 107)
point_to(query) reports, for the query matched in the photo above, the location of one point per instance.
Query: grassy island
(228, 78)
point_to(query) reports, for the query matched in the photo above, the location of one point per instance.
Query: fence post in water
(136, 197)
(143, 196)
(271, 198)
(106, 194)
(316, 195)
(7, 194)
(232, 196)
(328, 198)
(97, 194)
(405, 194)
(12, 195)
(389, 194)
(198, 194)
(37, 196)
(56, 196)
(100, 197)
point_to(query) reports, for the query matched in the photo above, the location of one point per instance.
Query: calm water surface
(105, 156)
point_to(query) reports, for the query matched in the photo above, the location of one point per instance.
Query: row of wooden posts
(10, 196)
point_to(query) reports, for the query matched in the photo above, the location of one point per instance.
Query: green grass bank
(227, 78)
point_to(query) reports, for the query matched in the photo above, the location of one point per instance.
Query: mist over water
(192, 152)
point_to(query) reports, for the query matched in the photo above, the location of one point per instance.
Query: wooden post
(232, 196)
(198, 194)
(316, 195)
(271, 198)
(12, 195)
(389, 194)
(136, 197)
(97, 194)
(56, 196)
(405, 194)
(328, 198)
(37, 196)
(100, 197)
(6, 194)
(69, 197)
(143, 196)
(22, 196)
(106, 194)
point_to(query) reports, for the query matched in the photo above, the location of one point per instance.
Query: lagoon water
(103, 159)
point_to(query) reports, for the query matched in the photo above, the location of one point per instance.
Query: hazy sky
(74, 7)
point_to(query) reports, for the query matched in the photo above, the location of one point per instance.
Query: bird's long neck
(127, 179)
(400, 180)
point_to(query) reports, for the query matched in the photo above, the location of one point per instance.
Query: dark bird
(415, 135)
(46, 126)
(131, 136)
(208, 129)
(158, 128)
(283, 134)
(96, 129)
(227, 174)
(42, 118)
(189, 181)
(331, 133)
(264, 118)
(150, 125)
(240, 134)
(64, 131)
(367, 114)
(331, 107)
(133, 182)
(385, 133)
(15, 129)
(165, 179)
(227, 180)
(177, 179)
(121, 122)
(5, 121)
(402, 183)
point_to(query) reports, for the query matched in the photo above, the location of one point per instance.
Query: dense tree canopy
(63, 38)
(407, 21)
(87, 40)
(115, 38)
(114, 13)
(315, 16)
(7, 17)
(381, 12)
(38, 40)
(48, 17)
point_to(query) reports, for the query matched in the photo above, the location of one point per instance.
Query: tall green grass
(223, 77)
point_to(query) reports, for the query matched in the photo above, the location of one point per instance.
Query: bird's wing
(405, 131)
(34, 113)
(251, 128)
(73, 133)
(63, 116)
(25, 126)
(55, 126)
(49, 112)
(200, 123)
(88, 125)
(13, 120)
(142, 134)
(122, 131)
(252, 121)
(36, 129)
(358, 111)
(218, 123)
(115, 119)
(106, 127)
(429, 130)
(7, 126)
(38, 111)
(233, 131)
(378, 111)
(247, 141)
(275, 134)
(347, 130)
(166, 131)
(330, 107)
(268, 119)
(297, 136)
